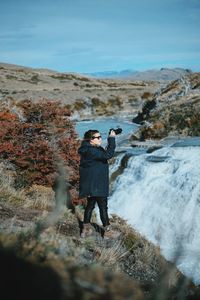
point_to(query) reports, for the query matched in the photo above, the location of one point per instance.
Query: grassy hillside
(85, 97)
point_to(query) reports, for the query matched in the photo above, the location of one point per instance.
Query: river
(104, 124)
(159, 196)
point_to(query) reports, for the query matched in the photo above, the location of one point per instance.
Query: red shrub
(35, 145)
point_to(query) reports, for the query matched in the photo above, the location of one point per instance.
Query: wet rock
(153, 148)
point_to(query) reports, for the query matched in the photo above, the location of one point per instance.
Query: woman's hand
(112, 133)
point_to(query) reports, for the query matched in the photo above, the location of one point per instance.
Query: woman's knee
(103, 203)
(90, 204)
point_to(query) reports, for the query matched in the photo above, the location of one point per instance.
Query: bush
(35, 145)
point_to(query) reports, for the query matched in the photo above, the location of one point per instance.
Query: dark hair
(89, 134)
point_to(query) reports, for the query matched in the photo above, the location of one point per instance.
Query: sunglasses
(96, 137)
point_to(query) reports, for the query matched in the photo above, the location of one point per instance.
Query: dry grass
(40, 197)
(148, 253)
(7, 192)
(79, 262)
(110, 256)
(92, 265)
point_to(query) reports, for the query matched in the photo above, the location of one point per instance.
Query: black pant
(103, 209)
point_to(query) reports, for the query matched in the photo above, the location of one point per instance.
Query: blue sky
(100, 35)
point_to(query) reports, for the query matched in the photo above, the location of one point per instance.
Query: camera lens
(117, 131)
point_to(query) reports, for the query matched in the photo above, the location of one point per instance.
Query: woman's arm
(108, 153)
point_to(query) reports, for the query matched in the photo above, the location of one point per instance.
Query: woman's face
(96, 140)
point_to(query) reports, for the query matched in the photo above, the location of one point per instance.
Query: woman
(94, 176)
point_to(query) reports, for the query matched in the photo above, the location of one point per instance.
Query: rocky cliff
(176, 110)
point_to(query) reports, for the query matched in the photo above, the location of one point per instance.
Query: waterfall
(159, 195)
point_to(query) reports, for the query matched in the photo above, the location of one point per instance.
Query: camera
(117, 131)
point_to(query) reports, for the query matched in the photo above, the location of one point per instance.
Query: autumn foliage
(35, 138)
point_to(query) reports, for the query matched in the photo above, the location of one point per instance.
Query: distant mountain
(112, 74)
(164, 74)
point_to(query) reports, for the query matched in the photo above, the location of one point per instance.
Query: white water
(162, 201)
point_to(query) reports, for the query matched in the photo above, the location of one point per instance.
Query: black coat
(94, 175)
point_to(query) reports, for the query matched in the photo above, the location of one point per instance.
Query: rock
(175, 110)
(157, 158)
(153, 148)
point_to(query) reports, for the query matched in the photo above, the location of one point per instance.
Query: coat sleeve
(105, 154)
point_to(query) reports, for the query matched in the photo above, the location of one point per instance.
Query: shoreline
(121, 117)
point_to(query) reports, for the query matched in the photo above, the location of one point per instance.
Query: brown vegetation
(35, 139)
(75, 90)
